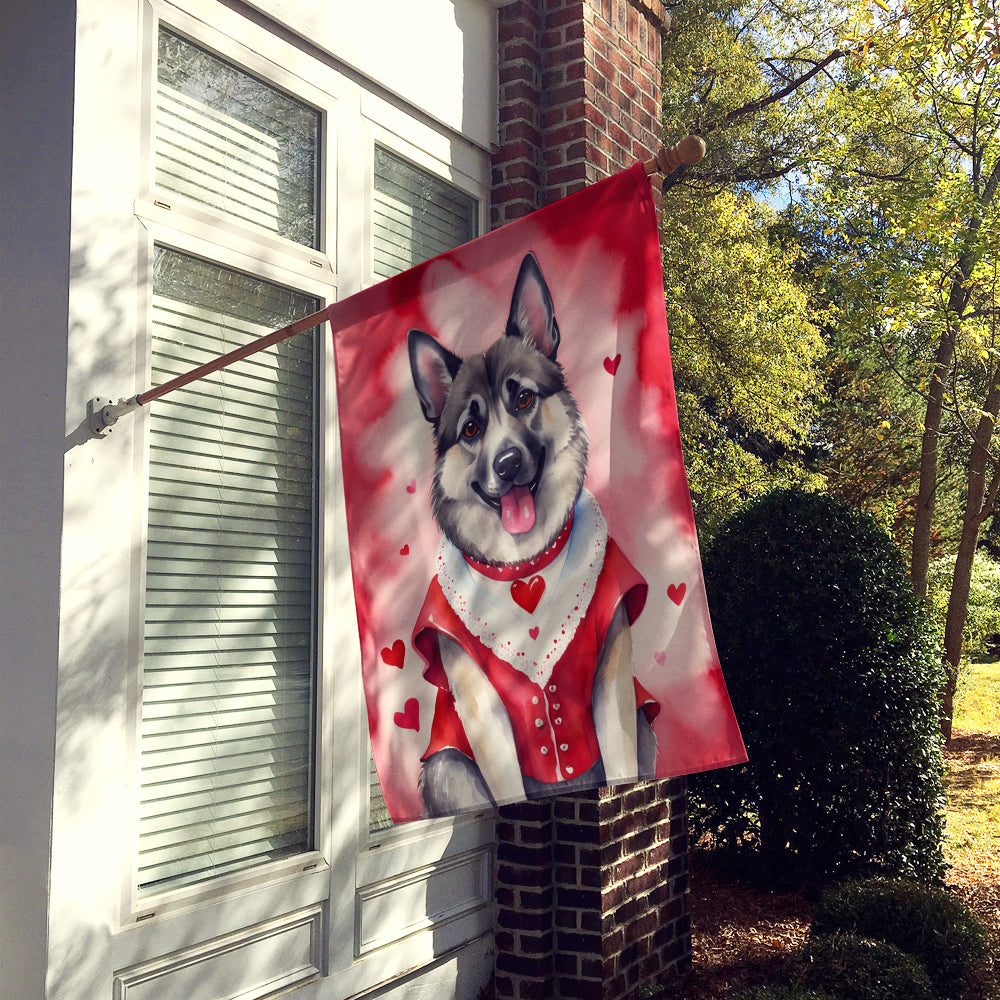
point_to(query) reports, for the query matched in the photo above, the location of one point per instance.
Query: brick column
(591, 889)
(579, 96)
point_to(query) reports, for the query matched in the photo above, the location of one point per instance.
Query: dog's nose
(508, 464)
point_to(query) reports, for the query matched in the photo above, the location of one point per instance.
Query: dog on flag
(525, 630)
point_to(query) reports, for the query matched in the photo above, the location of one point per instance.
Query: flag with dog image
(528, 588)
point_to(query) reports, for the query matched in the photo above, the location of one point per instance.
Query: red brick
(531, 899)
(518, 49)
(567, 174)
(573, 988)
(564, 54)
(570, 132)
(521, 93)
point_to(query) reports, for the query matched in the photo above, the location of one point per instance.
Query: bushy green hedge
(833, 672)
(856, 968)
(925, 922)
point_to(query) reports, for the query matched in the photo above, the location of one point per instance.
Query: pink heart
(405, 550)
(660, 657)
(527, 593)
(611, 366)
(409, 718)
(395, 656)
(533, 632)
(676, 594)
(411, 486)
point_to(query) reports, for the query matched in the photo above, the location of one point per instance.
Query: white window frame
(351, 872)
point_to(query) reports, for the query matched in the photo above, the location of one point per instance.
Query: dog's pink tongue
(517, 510)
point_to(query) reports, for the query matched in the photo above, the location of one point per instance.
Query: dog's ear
(434, 369)
(531, 313)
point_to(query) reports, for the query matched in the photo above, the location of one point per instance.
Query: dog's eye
(525, 398)
(470, 430)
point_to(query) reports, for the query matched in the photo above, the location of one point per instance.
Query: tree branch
(754, 106)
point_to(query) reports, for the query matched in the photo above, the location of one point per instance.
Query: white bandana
(531, 642)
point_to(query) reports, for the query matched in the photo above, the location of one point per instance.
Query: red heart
(660, 657)
(405, 550)
(533, 632)
(395, 656)
(409, 718)
(411, 486)
(611, 366)
(527, 593)
(676, 594)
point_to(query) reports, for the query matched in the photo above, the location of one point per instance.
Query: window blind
(226, 756)
(228, 140)
(415, 217)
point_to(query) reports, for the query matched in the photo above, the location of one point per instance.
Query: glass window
(228, 680)
(416, 215)
(228, 140)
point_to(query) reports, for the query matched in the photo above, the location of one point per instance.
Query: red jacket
(551, 716)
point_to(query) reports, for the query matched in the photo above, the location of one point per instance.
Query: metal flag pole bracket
(103, 413)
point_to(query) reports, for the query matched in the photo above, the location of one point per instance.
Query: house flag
(529, 594)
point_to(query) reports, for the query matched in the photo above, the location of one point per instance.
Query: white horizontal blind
(228, 140)
(228, 658)
(416, 216)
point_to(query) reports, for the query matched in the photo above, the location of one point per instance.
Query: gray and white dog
(511, 457)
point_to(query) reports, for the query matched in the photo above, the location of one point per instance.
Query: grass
(973, 781)
(978, 698)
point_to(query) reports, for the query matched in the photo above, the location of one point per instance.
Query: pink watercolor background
(599, 253)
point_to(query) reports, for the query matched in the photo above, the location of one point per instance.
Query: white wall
(36, 108)
(416, 49)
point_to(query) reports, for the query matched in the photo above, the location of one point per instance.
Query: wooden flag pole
(103, 413)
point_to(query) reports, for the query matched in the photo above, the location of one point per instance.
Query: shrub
(833, 673)
(926, 922)
(856, 968)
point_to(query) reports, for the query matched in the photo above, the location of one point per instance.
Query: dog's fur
(511, 456)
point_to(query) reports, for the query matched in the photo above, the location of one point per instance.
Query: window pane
(228, 140)
(416, 216)
(228, 656)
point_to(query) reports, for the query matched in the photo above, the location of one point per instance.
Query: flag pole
(103, 413)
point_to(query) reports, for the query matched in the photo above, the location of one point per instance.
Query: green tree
(748, 358)
(910, 180)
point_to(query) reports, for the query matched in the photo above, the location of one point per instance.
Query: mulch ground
(742, 934)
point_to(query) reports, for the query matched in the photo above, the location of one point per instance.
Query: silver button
(569, 770)
(564, 747)
(552, 687)
(545, 750)
(539, 723)
(534, 701)
(556, 705)
(558, 722)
